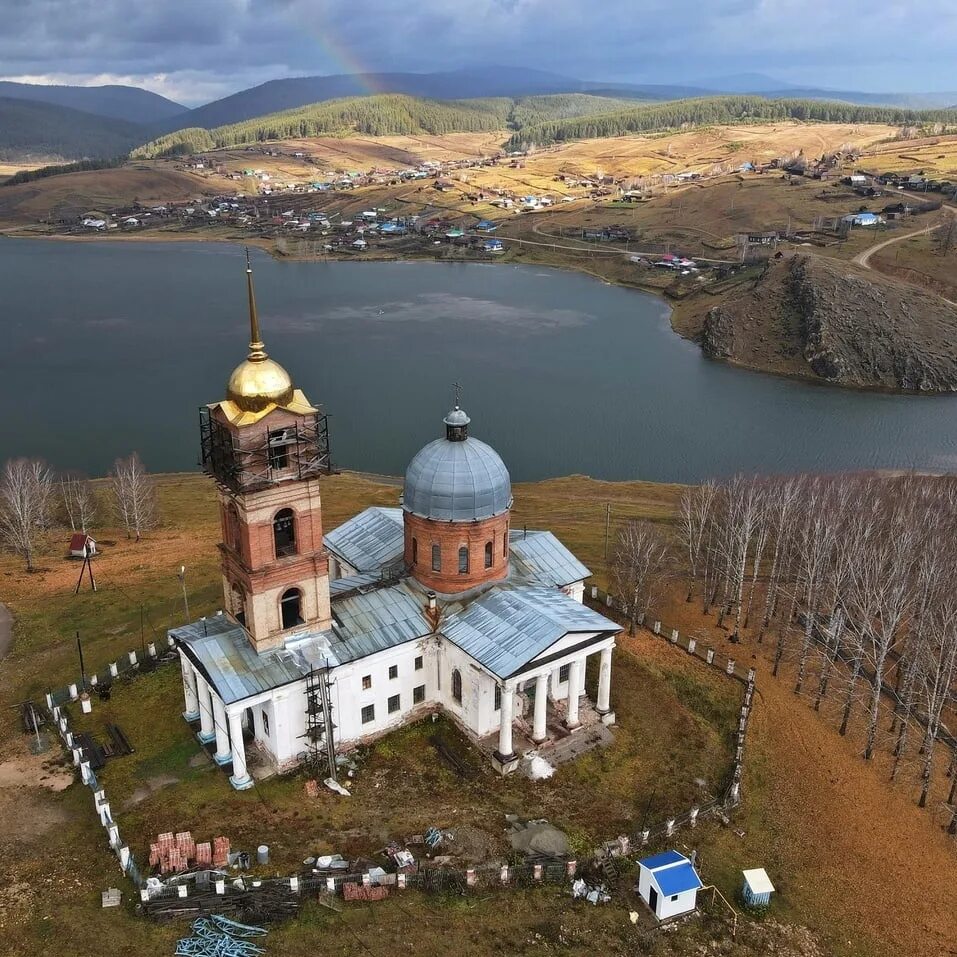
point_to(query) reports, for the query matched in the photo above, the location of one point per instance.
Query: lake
(110, 347)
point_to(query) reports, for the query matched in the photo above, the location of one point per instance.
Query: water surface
(110, 347)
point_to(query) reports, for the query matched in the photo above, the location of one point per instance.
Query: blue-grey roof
(457, 481)
(677, 879)
(664, 859)
(542, 558)
(339, 586)
(508, 626)
(378, 619)
(222, 650)
(370, 540)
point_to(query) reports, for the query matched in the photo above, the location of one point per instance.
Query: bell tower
(266, 446)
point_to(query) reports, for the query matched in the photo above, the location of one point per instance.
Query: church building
(329, 639)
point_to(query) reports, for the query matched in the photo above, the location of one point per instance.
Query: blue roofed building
(668, 883)
(329, 639)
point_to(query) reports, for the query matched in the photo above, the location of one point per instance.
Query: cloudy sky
(197, 50)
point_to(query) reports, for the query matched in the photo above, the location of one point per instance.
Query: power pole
(607, 527)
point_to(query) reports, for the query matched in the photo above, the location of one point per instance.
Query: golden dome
(258, 383)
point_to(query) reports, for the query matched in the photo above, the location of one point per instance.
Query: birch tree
(134, 495)
(695, 508)
(641, 567)
(26, 497)
(79, 502)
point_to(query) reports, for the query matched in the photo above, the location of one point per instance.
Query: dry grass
(936, 156)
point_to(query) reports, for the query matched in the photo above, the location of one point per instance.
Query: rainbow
(341, 58)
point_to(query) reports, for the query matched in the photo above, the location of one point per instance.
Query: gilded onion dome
(259, 384)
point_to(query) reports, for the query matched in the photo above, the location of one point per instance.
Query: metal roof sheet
(225, 655)
(340, 586)
(371, 539)
(457, 482)
(373, 621)
(509, 625)
(677, 879)
(664, 859)
(541, 557)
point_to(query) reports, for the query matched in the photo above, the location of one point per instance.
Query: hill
(370, 115)
(719, 110)
(116, 102)
(812, 317)
(280, 95)
(31, 131)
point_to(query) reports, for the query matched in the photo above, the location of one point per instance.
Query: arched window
(284, 532)
(233, 537)
(457, 685)
(239, 605)
(415, 551)
(488, 554)
(464, 560)
(436, 558)
(505, 542)
(291, 608)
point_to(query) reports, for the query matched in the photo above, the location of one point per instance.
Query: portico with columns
(557, 691)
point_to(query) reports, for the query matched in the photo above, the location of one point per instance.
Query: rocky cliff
(824, 319)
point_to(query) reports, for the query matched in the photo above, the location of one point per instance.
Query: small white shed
(81, 545)
(757, 889)
(668, 884)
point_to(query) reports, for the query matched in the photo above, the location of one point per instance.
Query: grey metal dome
(457, 479)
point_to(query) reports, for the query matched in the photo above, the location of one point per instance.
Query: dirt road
(862, 259)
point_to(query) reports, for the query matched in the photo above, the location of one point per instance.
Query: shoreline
(269, 246)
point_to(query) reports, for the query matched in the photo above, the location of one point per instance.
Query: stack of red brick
(172, 855)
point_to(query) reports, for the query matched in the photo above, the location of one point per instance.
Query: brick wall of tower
(251, 566)
(450, 537)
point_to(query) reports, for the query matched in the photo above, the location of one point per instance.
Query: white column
(604, 682)
(240, 778)
(222, 755)
(189, 689)
(541, 701)
(206, 732)
(505, 728)
(574, 687)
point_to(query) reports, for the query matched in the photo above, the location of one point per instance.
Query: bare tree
(640, 568)
(134, 496)
(695, 509)
(26, 495)
(937, 668)
(79, 501)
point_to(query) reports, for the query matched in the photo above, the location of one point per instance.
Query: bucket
(262, 854)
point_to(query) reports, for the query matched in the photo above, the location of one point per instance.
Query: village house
(332, 638)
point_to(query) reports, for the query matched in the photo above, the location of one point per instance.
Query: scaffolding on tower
(320, 742)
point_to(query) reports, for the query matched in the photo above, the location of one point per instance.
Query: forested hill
(718, 111)
(117, 102)
(31, 131)
(384, 115)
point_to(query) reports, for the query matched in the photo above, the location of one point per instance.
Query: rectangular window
(564, 672)
(463, 560)
(368, 713)
(366, 682)
(436, 558)
(393, 672)
(418, 663)
(265, 724)
(498, 697)
(418, 694)
(280, 442)
(674, 897)
(393, 704)
(415, 552)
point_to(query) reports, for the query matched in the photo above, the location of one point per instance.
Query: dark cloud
(199, 49)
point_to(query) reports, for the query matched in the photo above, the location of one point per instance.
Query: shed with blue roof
(668, 884)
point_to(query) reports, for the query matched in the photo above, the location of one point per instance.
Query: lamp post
(182, 581)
